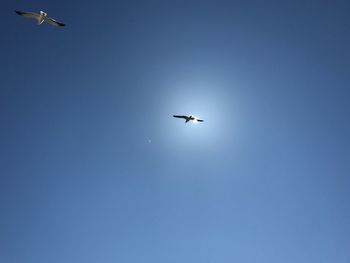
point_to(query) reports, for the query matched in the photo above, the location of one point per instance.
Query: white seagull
(188, 118)
(41, 18)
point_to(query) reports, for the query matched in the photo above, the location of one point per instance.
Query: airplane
(188, 118)
(41, 18)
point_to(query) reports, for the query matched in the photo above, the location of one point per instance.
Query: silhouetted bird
(188, 118)
(40, 18)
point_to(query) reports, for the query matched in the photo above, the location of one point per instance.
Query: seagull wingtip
(60, 24)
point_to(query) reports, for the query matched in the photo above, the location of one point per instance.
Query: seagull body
(188, 118)
(40, 18)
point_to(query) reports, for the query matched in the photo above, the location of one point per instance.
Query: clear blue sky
(94, 169)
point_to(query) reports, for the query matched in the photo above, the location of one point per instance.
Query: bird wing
(54, 22)
(200, 120)
(28, 14)
(180, 116)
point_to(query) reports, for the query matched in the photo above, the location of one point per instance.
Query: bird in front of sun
(40, 18)
(188, 118)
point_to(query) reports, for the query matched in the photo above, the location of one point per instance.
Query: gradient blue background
(93, 168)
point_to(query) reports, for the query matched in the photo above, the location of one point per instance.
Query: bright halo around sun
(195, 120)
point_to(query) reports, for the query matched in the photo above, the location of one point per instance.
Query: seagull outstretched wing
(180, 116)
(54, 22)
(28, 14)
